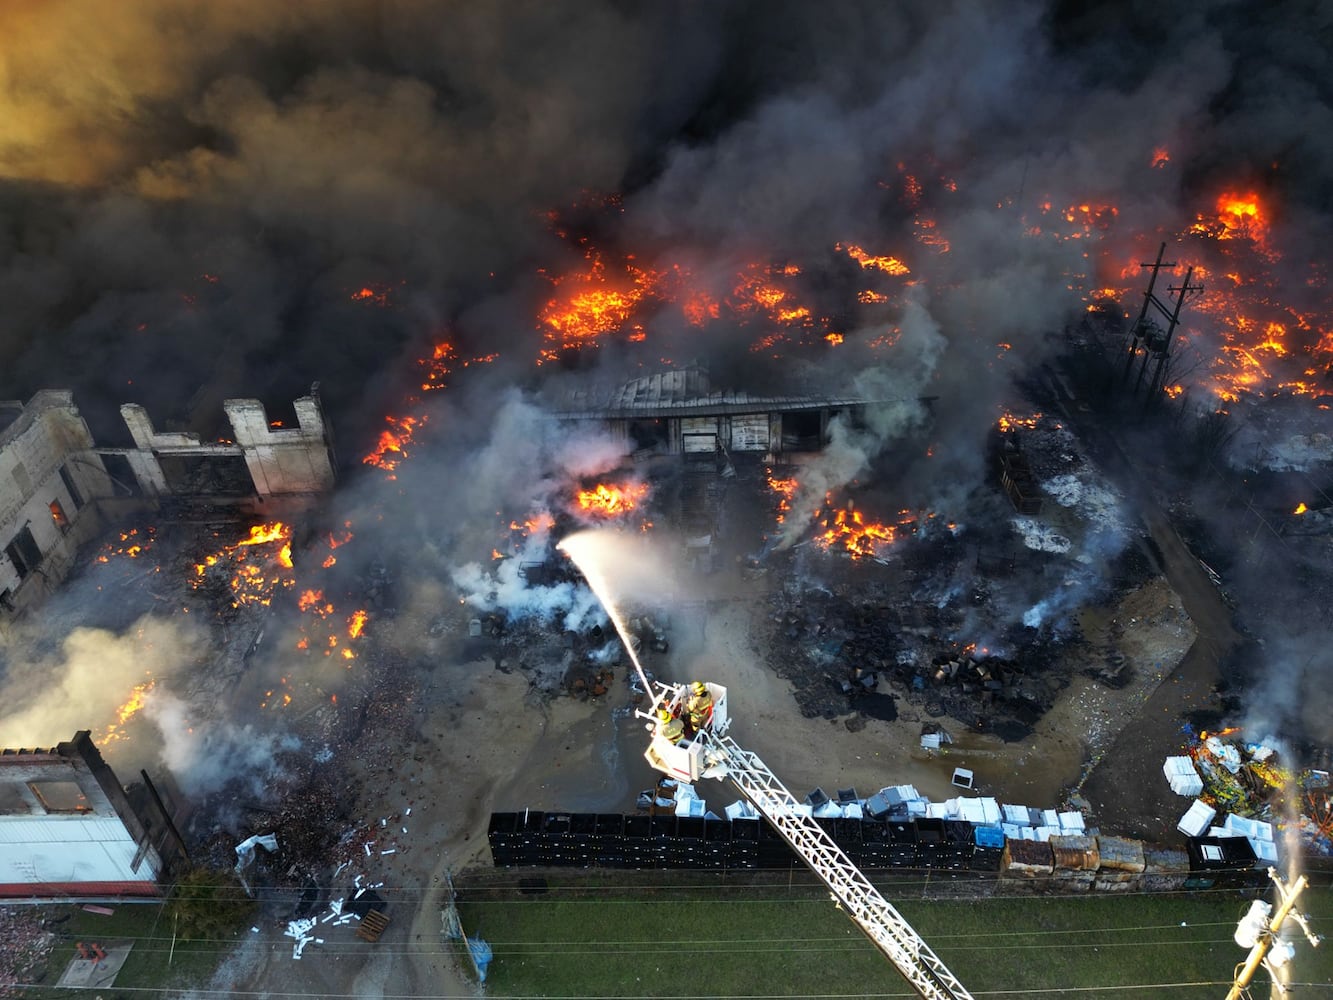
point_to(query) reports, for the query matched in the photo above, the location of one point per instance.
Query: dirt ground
(486, 743)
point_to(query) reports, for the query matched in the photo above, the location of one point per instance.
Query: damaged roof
(684, 392)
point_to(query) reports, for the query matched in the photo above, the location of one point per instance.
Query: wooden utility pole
(1265, 938)
(1137, 331)
(1172, 322)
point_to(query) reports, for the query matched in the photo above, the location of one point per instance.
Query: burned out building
(678, 412)
(51, 482)
(60, 489)
(70, 830)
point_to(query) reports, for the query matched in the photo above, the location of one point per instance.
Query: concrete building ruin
(60, 489)
(678, 412)
(70, 830)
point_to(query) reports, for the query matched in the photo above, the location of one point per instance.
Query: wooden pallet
(372, 926)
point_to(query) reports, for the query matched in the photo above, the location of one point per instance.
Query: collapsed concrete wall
(279, 460)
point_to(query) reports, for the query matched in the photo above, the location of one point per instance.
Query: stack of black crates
(950, 848)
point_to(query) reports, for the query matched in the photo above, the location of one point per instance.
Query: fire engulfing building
(70, 830)
(59, 489)
(678, 412)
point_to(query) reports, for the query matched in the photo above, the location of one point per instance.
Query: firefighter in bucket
(698, 707)
(669, 726)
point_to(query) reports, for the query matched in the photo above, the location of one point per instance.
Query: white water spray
(592, 551)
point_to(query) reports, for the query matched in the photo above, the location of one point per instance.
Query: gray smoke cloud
(193, 193)
(129, 687)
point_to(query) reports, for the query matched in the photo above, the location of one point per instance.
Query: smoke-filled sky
(193, 193)
(292, 153)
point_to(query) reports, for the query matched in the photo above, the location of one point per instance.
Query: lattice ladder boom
(884, 925)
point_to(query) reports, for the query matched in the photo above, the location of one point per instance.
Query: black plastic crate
(690, 828)
(717, 831)
(610, 826)
(900, 855)
(929, 831)
(638, 827)
(662, 826)
(902, 832)
(556, 825)
(986, 859)
(958, 831)
(582, 825)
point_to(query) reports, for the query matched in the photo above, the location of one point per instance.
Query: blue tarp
(481, 956)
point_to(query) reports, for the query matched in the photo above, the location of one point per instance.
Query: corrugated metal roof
(687, 392)
(60, 830)
(73, 862)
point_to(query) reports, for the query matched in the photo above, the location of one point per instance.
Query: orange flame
(252, 581)
(1011, 421)
(391, 448)
(607, 501)
(785, 489)
(125, 712)
(889, 265)
(356, 624)
(1300, 508)
(847, 529)
(593, 302)
(134, 545)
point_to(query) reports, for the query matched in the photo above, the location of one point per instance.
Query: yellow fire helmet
(664, 714)
(698, 687)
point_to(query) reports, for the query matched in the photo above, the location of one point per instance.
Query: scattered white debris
(383, 821)
(391, 850)
(338, 871)
(300, 930)
(366, 845)
(409, 811)
(404, 829)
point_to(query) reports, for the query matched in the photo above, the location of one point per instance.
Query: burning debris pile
(862, 647)
(1252, 780)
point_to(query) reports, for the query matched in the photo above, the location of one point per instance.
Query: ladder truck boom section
(705, 751)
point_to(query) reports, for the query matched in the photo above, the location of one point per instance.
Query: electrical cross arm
(875, 916)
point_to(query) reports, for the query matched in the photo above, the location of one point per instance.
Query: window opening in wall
(60, 796)
(58, 516)
(23, 552)
(71, 487)
(121, 473)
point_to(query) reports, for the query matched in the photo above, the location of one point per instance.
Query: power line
(1023, 992)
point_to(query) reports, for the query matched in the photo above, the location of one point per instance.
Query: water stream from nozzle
(587, 555)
